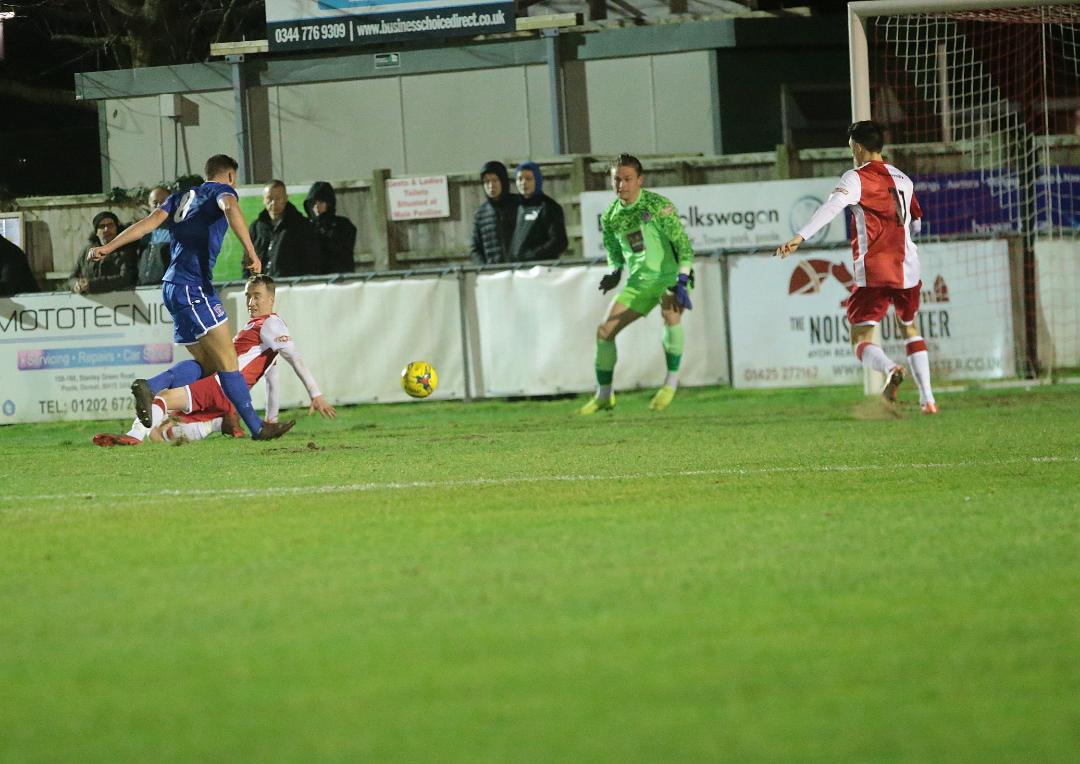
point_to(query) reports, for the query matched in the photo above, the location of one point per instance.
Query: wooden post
(579, 183)
(787, 162)
(682, 172)
(384, 239)
(579, 174)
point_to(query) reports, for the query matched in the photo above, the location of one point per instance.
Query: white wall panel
(135, 141)
(429, 123)
(215, 134)
(541, 140)
(683, 102)
(651, 104)
(621, 114)
(336, 130)
(459, 120)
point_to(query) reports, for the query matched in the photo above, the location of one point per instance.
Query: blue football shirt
(197, 225)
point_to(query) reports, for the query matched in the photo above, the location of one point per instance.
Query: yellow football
(419, 379)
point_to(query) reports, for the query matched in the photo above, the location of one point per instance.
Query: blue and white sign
(310, 24)
(70, 356)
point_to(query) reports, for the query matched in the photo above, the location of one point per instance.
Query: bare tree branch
(128, 8)
(138, 33)
(78, 39)
(42, 95)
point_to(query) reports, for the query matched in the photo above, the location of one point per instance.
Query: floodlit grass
(769, 576)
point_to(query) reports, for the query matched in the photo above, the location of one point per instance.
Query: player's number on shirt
(901, 205)
(184, 207)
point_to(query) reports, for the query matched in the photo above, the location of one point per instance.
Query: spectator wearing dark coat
(114, 272)
(540, 232)
(493, 226)
(284, 239)
(15, 274)
(154, 247)
(337, 234)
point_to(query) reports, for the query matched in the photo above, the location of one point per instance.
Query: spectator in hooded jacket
(540, 232)
(493, 226)
(112, 273)
(15, 274)
(337, 234)
(284, 239)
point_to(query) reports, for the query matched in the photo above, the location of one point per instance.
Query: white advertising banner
(1057, 264)
(789, 328)
(356, 338)
(538, 332)
(730, 215)
(68, 356)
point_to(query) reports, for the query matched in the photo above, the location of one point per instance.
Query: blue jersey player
(197, 220)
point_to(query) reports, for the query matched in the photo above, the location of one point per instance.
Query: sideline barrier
(538, 332)
(356, 337)
(1058, 309)
(504, 332)
(69, 356)
(789, 326)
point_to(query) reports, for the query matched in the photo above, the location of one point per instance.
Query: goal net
(981, 105)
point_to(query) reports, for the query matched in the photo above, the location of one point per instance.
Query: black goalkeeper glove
(610, 281)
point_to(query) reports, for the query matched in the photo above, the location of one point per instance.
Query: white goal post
(971, 113)
(860, 11)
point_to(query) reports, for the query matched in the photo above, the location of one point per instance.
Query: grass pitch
(768, 576)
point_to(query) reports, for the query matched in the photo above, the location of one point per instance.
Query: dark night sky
(45, 148)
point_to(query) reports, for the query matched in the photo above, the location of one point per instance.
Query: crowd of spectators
(515, 228)
(291, 243)
(507, 228)
(284, 239)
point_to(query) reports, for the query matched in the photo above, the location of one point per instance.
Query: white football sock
(191, 431)
(919, 361)
(603, 392)
(874, 358)
(138, 431)
(158, 411)
(672, 380)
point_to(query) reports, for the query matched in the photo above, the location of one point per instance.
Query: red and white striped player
(197, 410)
(885, 214)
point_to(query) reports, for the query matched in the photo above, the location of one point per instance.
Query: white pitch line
(268, 491)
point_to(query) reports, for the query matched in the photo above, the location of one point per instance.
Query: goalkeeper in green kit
(642, 232)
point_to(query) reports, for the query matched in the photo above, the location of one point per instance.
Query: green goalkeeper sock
(673, 346)
(606, 355)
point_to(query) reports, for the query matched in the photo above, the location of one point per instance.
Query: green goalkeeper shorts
(642, 296)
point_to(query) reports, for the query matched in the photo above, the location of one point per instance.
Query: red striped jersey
(257, 345)
(882, 202)
(884, 213)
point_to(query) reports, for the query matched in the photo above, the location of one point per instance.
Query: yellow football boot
(595, 404)
(663, 398)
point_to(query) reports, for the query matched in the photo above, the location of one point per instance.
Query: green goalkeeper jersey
(647, 237)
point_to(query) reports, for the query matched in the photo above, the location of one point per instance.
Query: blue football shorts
(195, 311)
